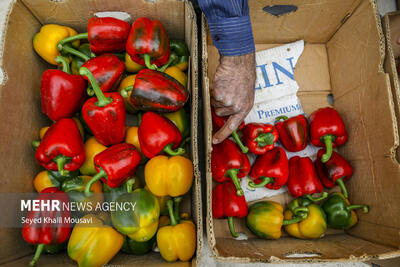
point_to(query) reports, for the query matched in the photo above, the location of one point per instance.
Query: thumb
(230, 125)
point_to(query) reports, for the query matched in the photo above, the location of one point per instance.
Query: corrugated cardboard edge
(208, 135)
(3, 39)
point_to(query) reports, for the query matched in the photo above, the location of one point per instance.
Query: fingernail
(232, 127)
(215, 141)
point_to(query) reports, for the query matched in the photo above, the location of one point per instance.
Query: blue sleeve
(230, 26)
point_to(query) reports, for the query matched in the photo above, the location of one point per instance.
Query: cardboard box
(22, 118)
(343, 56)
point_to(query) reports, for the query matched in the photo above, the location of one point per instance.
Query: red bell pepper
(61, 93)
(61, 148)
(156, 134)
(327, 129)
(336, 170)
(229, 163)
(115, 165)
(226, 203)
(148, 43)
(270, 170)
(303, 180)
(104, 114)
(44, 232)
(218, 122)
(107, 70)
(156, 91)
(293, 132)
(259, 137)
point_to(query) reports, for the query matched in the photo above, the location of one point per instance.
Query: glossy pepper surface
(132, 66)
(93, 243)
(303, 179)
(218, 122)
(259, 137)
(336, 170)
(313, 224)
(92, 148)
(61, 148)
(181, 52)
(104, 114)
(270, 170)
(148, 43)
(181, 120)
(340, 213)
(169, 176)
(227, 204)
(62, 94)
(293, 132)
(327, 130)
(178, 75)
(158, 134)
(229, 163)
(47, 233)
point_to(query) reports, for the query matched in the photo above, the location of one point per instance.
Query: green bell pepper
(131, 246)
(180, 51)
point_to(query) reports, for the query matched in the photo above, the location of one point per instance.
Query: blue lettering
(265, 77)
(283, 70)
(260, 114)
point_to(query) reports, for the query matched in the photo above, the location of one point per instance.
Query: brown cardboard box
(20, 104)
(343, 56)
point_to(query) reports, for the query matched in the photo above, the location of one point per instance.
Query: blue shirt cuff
(232, 36)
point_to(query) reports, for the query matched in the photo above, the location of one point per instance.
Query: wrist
(242, 59)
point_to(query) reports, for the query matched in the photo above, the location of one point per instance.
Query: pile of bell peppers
(307, 216)
(114, 73)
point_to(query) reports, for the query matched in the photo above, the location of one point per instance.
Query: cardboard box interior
(22, 117)
(343, 56)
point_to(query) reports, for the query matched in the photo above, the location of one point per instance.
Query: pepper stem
(327, 139)
(232, 227)
(147, 62)
(171, 212)
(283, 117)
(73, 38)
(342, 187)
(298, 218)
(70, 50)
(235, 136)
(39, 250)
(171, 59)
(65, 65)
(264, 139)
(61, 160)
(186, 140)
(124, 92)
(102, 100)
(35, 144)
(264, 181)
(316, 199)
(232, 173)
(179, 151)
(177, 202)
(94, 179)
(364, 208)
(299, 210)
(129, 184)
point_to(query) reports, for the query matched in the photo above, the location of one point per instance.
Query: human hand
(232, 92)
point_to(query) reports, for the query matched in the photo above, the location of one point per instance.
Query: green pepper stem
(61, 160)
(129, 184)
(281, 118)
(147, 62)
(65, 65)
(35, 144)
(299, 218)
(264, 139)
(235, 136)
(70, 50)
(102, 100)
(171, 212)
(39, 250)
(73, 38)
(94, 179)
(316, 199)
(232, 227)
(171, 59)
(364, 208)
(327, 139)
(179, 151)
(264, 181)
(300, 210)
(124, 92)
(89, 91)
(232, 173)
(177, 202)
(183, 143)
(342, 187)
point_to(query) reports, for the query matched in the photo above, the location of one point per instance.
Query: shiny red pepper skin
(106, 123)
(47, 233)
(107, 34)
(274, 165)
(62, 94)
(62, 139)
(335, 171)
(259, 137)
(229, 163)
(148, 37)
(157, 91)
(293, 132)
(157, 134)
(226, 203)
(303, 180)
(327, 129)
(107, 69)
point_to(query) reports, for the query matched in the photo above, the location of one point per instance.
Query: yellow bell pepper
(128, 81)
(169, 176)
(177, 74)
(42, 131)
(92, 148)
(92, 243)
(162, 202)
(44, 180)
(132, 66)
(45, 42)
(132, 137)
